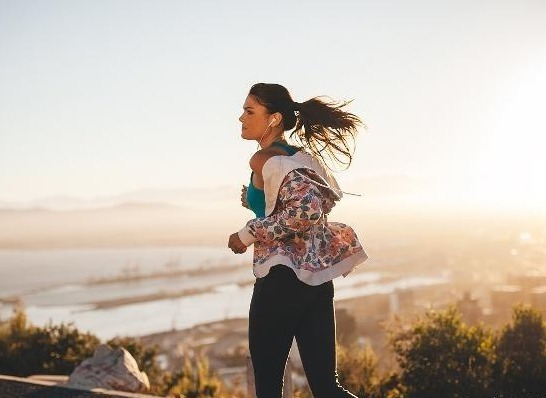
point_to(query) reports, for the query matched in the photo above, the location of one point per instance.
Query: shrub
(439, 356)
(53, 349)
(520, 365)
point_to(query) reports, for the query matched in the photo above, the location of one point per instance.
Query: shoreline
(120, 302)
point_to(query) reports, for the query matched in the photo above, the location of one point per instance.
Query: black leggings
(283, 307)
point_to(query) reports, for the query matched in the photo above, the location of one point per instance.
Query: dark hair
(319, 124)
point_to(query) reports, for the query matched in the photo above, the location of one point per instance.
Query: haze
(102, 100)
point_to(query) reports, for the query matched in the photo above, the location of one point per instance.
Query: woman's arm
(300, 208)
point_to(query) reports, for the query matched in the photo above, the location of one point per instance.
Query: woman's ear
(275, 119)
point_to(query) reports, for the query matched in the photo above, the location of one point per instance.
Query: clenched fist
(244, 203)
(235, 244)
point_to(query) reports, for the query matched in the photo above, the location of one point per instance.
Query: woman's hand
(244, 203)
(235, 244)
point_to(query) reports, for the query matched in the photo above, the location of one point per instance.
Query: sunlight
(513, 168)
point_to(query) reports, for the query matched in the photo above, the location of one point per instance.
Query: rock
(111, 369)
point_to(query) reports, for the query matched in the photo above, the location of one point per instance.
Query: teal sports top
(255, 197)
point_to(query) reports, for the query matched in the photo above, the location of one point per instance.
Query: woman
(297, 252)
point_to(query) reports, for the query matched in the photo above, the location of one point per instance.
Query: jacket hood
(276, 168)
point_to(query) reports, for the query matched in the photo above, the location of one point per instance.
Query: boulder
(111, 369)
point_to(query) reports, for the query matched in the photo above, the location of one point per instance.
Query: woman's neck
(267, 142)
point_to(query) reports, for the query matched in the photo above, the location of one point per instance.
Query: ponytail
(326, 130)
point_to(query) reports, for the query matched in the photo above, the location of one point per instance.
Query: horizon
(385, 194)
(139, 223)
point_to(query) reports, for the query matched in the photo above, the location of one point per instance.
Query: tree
(53, 349)
(439, 356)
(520, 366)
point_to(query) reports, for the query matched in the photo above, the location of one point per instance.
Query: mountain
(176, 196)
(122, 224)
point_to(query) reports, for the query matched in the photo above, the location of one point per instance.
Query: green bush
(520, 365)
(439, 356)
(53, 349)
(58, 349)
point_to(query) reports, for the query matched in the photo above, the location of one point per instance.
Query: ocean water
(53, 286)
(24, 271)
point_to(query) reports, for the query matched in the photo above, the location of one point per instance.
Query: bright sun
(513, 172)
(509, 171)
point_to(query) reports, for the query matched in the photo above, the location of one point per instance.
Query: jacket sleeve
(300, 205)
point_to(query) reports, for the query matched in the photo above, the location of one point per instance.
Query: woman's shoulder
(260, 157)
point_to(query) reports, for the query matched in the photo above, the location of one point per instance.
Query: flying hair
(319, 125)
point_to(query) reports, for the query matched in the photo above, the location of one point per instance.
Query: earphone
(265, 132)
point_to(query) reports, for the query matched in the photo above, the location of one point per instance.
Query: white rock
(111, 369)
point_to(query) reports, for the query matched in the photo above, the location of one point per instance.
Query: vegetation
(437, 355)
(53, 349)
(57, 349)
(520, 356)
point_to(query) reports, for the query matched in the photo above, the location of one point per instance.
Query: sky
(105, 97)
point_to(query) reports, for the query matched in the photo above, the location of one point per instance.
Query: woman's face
(255, 119)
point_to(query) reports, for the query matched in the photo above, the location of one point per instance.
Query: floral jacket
(300, 193)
